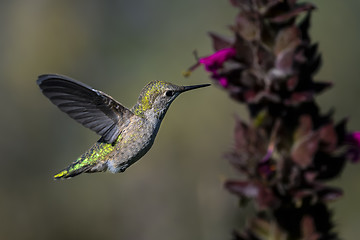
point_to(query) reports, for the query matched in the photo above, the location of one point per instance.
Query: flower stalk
(289, 148)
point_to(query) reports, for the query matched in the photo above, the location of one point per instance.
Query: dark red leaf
(284, 61)
(305, 127)
(304, 27)
(288, 38)
(253, 190)
(243, 188)
(292, 82)
(341, 131)
(245, 53)
(241, 134)
(321, 86)
(248, 26)
(328, 136)
(250, 80)
(308, 228)
(293, 13)
(314, 64)
(299, 97)
(329, 193)
(263, 96)
(265, 57)
(221, 42)
(304, 149)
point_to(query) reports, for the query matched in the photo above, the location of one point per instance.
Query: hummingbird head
(156, 97)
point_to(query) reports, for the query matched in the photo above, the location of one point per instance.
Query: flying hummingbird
(126, 134)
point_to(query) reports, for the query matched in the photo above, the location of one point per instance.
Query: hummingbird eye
(169, 93)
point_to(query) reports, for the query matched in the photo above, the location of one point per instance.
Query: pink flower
(215, 61)
(223, 81)
(356, 137)
(353, 141)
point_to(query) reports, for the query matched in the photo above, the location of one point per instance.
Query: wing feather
(92, 108)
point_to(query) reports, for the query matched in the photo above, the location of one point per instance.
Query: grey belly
(129, 150)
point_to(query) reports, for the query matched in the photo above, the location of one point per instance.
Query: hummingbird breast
(134, 142)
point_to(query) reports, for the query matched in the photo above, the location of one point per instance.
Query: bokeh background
(174, 192)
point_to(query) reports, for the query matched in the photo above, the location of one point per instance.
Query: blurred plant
(289, 149)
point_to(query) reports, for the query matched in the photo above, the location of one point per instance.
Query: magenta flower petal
(216, 60)
(356, 138)
(353, 152)
(223, 82)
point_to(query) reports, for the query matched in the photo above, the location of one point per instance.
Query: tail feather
(72, 171)
(94, 160)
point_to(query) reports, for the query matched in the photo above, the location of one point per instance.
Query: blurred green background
(174, 192)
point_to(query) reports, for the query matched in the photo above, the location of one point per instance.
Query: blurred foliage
(288, 149)
(175, 191)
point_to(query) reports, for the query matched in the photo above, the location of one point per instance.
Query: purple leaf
(288, 38)
(221, 42)
(248, 26)
(284, 61)
(291, 14)
(353, 142)
(321, 86)
(244, 51)
(304, 28)
(329, 137)
(304, 149)
(254, 190)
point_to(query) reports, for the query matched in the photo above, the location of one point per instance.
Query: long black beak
(187, 88)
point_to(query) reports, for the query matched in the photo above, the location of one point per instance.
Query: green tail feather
(82, 164)
(97, 154)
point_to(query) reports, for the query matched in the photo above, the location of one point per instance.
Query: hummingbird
(126, 134)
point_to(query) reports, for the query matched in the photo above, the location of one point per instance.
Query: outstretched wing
(92, 108)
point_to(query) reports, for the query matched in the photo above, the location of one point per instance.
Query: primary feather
(92, 108)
